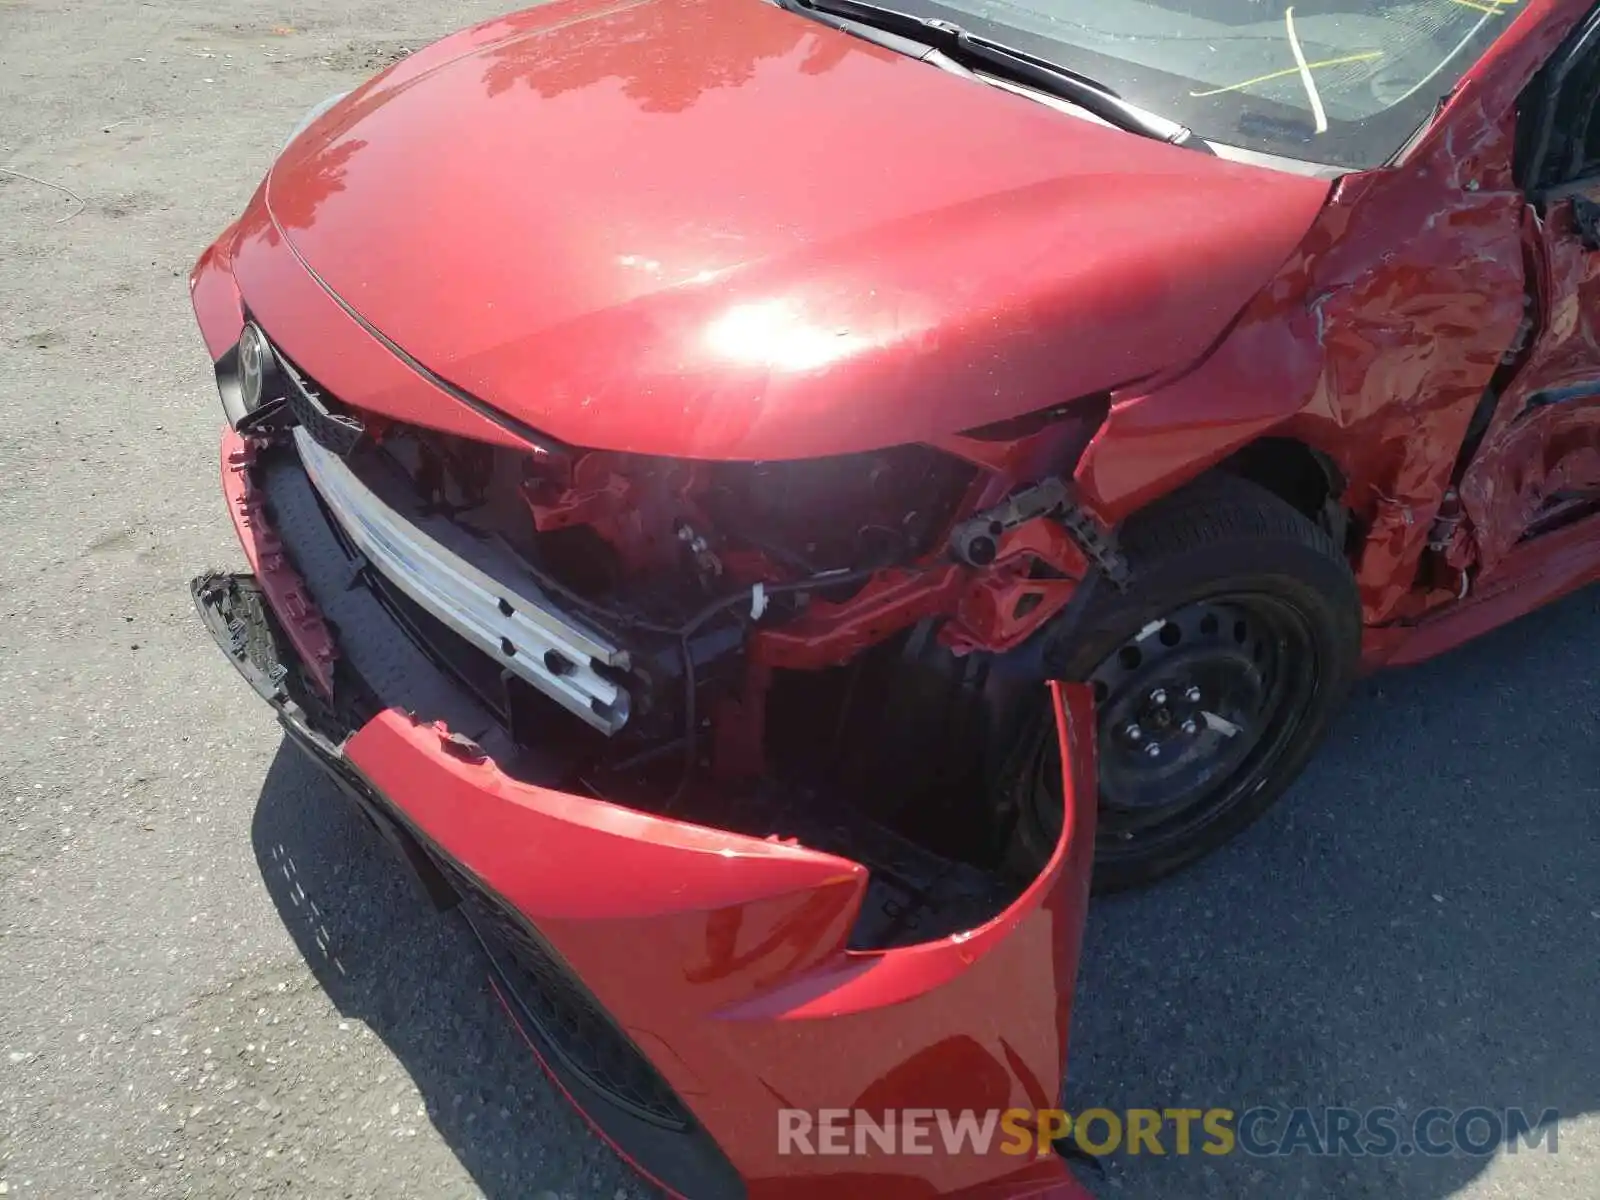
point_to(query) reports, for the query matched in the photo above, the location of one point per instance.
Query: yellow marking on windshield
(1365, 56)
(1493, 7)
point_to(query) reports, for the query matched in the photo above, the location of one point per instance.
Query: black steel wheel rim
(1195, 710)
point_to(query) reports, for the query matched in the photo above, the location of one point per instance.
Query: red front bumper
(721, 959)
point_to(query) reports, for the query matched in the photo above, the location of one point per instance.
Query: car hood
(714, 228)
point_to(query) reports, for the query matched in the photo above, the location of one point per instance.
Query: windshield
(1333, 81)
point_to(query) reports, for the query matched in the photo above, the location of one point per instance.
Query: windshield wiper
(954, 45)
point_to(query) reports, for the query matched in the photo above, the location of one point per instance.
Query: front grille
(568, 1020)
(335, 431)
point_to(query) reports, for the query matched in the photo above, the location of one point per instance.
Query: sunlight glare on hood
(775, 334)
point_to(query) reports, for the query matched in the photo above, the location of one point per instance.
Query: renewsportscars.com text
(1260, 1131)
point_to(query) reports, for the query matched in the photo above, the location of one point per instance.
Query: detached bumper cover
(714, 966)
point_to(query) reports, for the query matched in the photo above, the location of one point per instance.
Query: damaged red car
(759, 501)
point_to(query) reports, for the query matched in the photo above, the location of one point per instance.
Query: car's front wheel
(1216, 674)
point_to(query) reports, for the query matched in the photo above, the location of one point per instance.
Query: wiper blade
(966, 49)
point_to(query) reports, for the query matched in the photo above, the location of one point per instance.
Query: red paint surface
(729, 952)
(1535, 574)
(1531, 455)
(1375, 341)
(587, 216)
(1041, 1179)
(1004, 603)
(584, 216)
(653, 302)
(326, 343)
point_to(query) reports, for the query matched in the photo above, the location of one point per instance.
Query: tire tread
(1217, 530)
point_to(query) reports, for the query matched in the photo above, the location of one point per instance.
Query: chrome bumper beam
(511, 620)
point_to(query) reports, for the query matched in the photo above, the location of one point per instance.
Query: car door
(1537, 468)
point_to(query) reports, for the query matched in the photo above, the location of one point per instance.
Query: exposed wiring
(691, 742)
(691, 748)
(626, 620)
(823, 579)
(760, 597)
(606, 614)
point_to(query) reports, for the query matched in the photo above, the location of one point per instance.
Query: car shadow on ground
(1415, 926)
(416, 977)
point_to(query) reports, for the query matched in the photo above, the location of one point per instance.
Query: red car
(717, 475)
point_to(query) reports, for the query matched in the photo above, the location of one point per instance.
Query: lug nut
(1192, 695)
(1133, 733)
(1152, 750)
(1190, 726)
(1159, 696)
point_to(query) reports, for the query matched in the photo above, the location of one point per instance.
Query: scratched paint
(1375, 341)
(1388, 303)
(1533, 454)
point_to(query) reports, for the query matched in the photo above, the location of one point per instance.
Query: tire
(1250, 599)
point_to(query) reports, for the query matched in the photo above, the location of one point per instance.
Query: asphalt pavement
(214, 981)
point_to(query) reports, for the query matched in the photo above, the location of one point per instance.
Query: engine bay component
(976, 541)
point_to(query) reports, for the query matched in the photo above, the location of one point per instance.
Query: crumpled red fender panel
(1377, 338)
(1530, 455)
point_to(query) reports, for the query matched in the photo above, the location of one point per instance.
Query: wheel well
(1290, 470)
(1304, 478)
